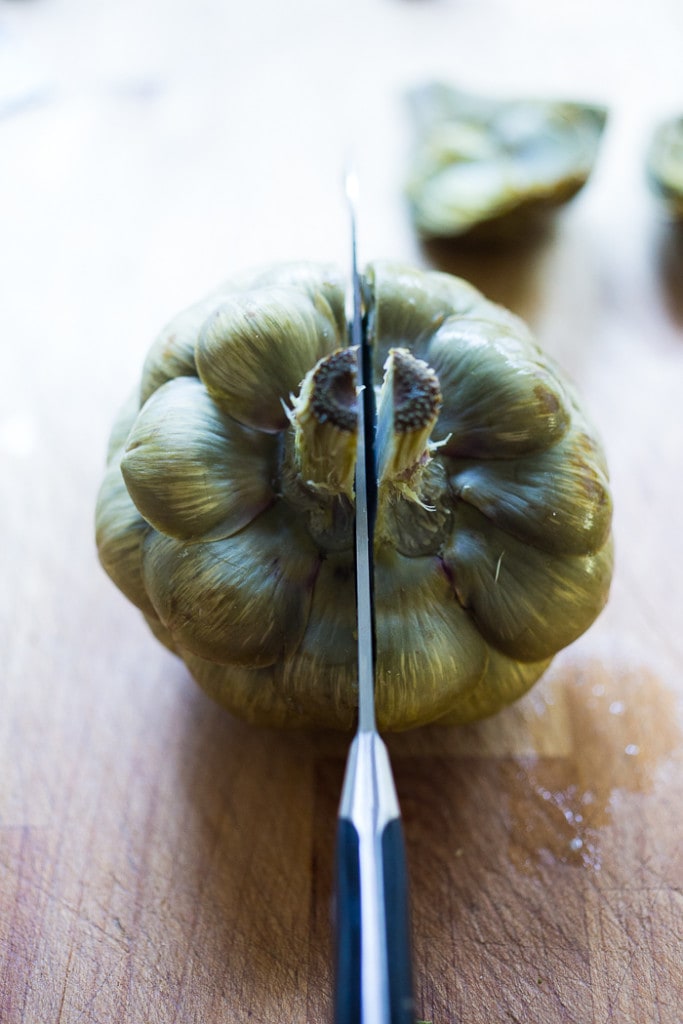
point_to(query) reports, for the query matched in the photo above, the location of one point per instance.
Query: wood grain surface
(160, 861)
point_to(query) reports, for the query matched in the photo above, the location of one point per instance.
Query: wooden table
(160, 862)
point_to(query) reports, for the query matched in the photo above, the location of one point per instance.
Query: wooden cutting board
(183, 872)
(159, 861)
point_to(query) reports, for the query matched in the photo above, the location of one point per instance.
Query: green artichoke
(665, 165)
(226, 513)
(495, 168)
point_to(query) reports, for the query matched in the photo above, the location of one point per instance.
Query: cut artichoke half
(226, 512)
(493, 168)
(664, 165)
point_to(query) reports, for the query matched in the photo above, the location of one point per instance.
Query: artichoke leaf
(192, 470)
(125, 419)
(120, 532)
(322, 282)
(409, 305)
(259, 695)
(464, 193)
(172, 353)
(428, 648)
(527, 603)
(557, 500)
(489, 167)
(320, 678)
(255, 350)
(248, 693)
(664, 165)
(242, 599)
(330, 634)
(159, 631)
(500, 399)
(505, 681)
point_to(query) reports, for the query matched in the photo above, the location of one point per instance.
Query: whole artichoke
(226, 512)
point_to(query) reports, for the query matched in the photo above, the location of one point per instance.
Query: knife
(373, 958)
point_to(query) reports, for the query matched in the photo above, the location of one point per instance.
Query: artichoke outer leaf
(243, 599)
(273, 697)
(192, 470)
(528, 603)
(162, 634)
(499, 399)
(409, 305)
(314, 685)
(330, 634)
(172, 353)
(119, 528)
(505, 681)
(255, 350)
(320, 678)
(557, 500)
(120, 532)
(248, 693)
(125, 418)
(324, 284)
(428, 648)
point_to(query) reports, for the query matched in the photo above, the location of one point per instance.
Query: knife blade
(373, 958)
(365, 483)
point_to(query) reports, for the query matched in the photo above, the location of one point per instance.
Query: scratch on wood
(67, 974)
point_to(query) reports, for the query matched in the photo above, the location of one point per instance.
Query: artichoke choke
(492, 169)
(226, 512)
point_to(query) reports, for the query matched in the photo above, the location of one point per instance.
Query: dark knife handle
(348, 998)
(347, 922)
(397, 908)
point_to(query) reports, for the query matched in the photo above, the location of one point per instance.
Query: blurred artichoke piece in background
(664, 165)
(494, 169)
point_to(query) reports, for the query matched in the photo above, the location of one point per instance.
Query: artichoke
(664, 165)
(494, 168)
(226, 513)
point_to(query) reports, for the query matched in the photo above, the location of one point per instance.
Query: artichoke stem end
(324, 418)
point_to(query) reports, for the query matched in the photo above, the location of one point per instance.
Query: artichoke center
(318, 467)
(409, 404)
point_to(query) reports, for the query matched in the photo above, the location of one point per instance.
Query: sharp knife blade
(373, 977)
(366, 484)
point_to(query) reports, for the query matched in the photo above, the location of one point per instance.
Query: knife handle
(392, 985)
(347, 922)
(397, 909)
